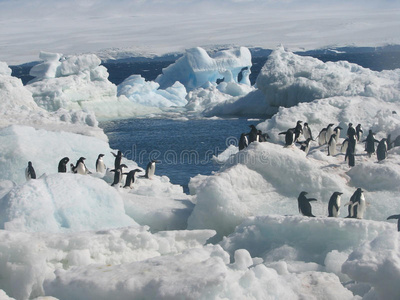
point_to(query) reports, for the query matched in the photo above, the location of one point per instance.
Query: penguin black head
(253, 127)
(30, 163)
(330, 125)
(123, 166)
(65, 160)
(338, 127)
(350, 124)
(100, 155)
(338, 193)
(305, 124)
(156, 161)
(298, 122)
(303, 193)
(82, 158)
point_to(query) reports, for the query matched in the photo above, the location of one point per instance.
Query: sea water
(184, 148)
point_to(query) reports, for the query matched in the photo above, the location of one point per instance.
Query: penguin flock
(80, 168)
(330, 136)
(357, 205)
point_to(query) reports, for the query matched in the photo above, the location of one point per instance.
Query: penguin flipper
(393, 217)
(312, 199)
(282, 132)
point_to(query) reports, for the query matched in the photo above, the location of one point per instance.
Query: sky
(163, 26)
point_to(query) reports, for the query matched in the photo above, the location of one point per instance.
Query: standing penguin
(118, 158)
(243, 141)
(30, 172)
(357, 204)
(80, 167)
(351, 131)
(151, 169)
(381, 150)
(118, 174)
(100, 166)
(305, 146)
(304, 204)
(289, 137)
(370, 143)
(398, 220)
(262, 137)
(337, 132)
(332, 145)
(359, 132)
(253, 134)
(322, 137)
(130, 178)
(334, 204)
(329, 132)
(298, 130)
(307, 132)
(62, 165)
(349, 157)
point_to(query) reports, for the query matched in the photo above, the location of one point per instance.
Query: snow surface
(239, 234)
(139, 28)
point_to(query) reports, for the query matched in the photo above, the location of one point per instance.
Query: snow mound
(287, 79)
(147, 93)
(63, 202)
(196, 68)
(20, 144)
(198, 273)
(28, 260)
(377, 263)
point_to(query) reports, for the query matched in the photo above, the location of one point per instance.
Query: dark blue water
(185, 148)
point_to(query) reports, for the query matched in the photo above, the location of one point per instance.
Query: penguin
(62, 165)
(344, 146)
(370, 143)
(100, 166)
(337, 132)
(381, 150)
(118, 174)
(334, 204)
(305, 146)
(307, 132)
(389, 142)
(289, 137)
(332, 145)
(304, 204)
(253, 134)
(351, 131)
(262, 137)
(398, 220)
(80, 167)
(359, 132)
(357, 204)
(298, 130)
(349, 157)
(30, 172)
(130, 178)
(73, 168)
(322, 137)
(150, 169)
(396, 141)
(118, 158)
(329, 132)
(243, 143)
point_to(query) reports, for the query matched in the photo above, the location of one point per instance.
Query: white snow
(239, 234)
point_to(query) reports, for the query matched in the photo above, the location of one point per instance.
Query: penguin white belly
(152, 170)
(335, 212)
(361, 207)
(306, 135)
(345, 144)
(81, 169)
(322, 138)
(101, 168)
(329, 132)
(332, 147)
(27, 176)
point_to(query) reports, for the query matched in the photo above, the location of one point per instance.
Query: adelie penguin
(289, 137)
(322, 137)
(81, 168)
(118, 174)
(151, 169)
(118, 158)
(357, 205)
(253, 134)
(305, 146)
(398, 220)
(381, 150)
(337, 132)
(130, 178)
(100, 166)
(351, 131)
(332, 145)
(298, 130)
(30, 172)
(359, 132)
(334, 204)
(329, 132)
(370, 143)
(243, 143)
(62, 165)
(304, 204)
(307, 132)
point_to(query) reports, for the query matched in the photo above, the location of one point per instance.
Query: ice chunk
(196, 68)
